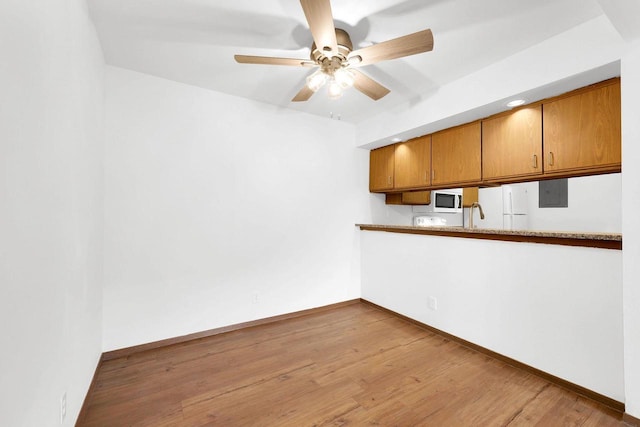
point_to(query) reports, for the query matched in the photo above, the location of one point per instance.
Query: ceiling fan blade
(320, 19)
(368, 86)
(411, 44)
(268, 60)
(304, 94)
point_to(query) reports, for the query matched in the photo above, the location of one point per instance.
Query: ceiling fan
(332, 52)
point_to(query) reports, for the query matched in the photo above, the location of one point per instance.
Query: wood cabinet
(408, 198)
(582, 130)
(456, 155)
(416, 197)
(412, 168)
(512, 144)
(381, 169)
(578, 133)
(403, 166)
(469, 196)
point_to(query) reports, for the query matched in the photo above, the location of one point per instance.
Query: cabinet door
(455, 155)
(413, 163)
(512, 144)
(583, 131)
(469, 196)
(381, 168)
(416, 197)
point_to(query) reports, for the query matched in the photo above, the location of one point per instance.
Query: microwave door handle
(459, 201)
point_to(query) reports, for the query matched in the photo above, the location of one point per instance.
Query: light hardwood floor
(354, 365)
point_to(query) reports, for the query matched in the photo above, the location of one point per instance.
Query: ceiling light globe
(316, 80)
(334, 90)
(345, 77)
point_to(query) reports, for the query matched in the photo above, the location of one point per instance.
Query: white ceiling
(193, 41)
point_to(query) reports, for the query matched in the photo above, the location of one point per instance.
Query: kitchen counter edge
(591, 240)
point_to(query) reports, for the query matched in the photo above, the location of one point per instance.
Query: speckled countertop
(601, 240)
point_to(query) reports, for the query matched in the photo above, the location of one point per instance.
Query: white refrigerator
(514, 207)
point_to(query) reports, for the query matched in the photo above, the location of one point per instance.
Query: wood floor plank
(354, 365)
(554, 406)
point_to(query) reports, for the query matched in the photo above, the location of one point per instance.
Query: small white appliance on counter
(429, 221)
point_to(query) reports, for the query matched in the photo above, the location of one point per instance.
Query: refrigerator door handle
(511, 202)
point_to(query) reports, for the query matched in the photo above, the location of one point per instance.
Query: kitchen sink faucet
(474, 205)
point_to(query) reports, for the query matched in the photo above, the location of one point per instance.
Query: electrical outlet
(254, 298)
(63, 407)
(433, 303)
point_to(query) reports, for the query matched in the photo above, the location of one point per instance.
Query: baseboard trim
(597, 397)
(128, 351)
(631, 420)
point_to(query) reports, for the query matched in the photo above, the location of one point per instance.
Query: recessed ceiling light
(396, 139)
(515, 103)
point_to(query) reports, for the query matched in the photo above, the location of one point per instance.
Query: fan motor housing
(344, 48)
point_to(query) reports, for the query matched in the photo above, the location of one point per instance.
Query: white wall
(51, 109)
(631, 225)
(220, 210)
(555, 308)
(595, 205)
(382, 213)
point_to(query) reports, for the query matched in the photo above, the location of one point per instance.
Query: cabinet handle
(535, 161)
(426, 176)
(551, 158)
(389, 180)
(433, 175)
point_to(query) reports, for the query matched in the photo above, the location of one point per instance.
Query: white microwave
(446, 201)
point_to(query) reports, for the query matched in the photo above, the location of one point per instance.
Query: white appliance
(514, 207)
(445, 201)
(429, 221)
(445, 210)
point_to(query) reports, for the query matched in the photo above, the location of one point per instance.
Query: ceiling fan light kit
(337, 61)
(316, 80)
(345, 77)
(334, 90)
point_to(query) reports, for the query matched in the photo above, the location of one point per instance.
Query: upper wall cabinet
(456, 155)
(413, 164)
(512, 144)
(578, 133)
(381, 167)
(582, 130)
